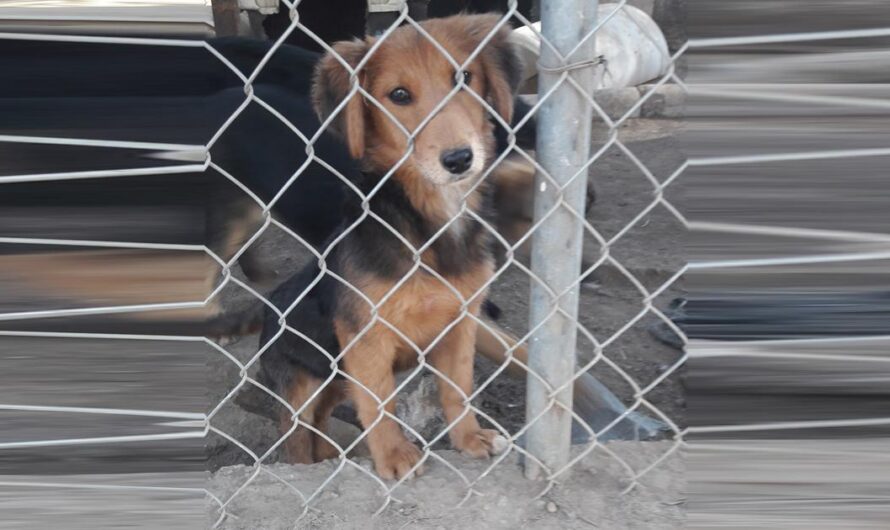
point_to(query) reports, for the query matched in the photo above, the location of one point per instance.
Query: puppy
(405, 280)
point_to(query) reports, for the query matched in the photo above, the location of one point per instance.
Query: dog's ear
(331, 85)
(500, 62)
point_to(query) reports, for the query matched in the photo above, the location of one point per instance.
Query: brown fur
(305, 445)
(406, 59)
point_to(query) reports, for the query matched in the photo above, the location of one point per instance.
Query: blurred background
(787, 193)
(784, 383)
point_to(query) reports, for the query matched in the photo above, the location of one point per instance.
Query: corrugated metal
(183, 18)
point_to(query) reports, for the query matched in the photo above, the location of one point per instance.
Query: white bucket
(631, 43)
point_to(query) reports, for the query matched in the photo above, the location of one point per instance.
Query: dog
(431, 304)
(263, 154)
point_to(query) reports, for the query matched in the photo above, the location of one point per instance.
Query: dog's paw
(481, 443)
(398, 460)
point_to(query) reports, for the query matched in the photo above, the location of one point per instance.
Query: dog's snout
(456, 161)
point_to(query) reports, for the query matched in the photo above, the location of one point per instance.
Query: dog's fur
(418, 309)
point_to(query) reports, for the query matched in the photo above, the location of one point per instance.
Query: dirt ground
(591, 498)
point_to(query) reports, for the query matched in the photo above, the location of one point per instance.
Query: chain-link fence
(411, 278)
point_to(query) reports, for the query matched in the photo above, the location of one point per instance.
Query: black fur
(380, 252)
(313, 317)
(371, 248)
(74, 83)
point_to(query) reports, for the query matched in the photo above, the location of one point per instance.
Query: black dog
(120, 85)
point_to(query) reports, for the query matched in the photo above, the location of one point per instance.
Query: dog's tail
(494, 343)
(593, 402)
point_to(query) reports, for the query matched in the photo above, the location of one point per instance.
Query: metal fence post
(563, 147)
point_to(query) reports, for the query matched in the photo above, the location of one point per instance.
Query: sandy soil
(590, 498)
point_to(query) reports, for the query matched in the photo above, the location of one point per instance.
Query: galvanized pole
(563, 147)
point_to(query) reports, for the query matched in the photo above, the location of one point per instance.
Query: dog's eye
(400, 96)
(468, 76)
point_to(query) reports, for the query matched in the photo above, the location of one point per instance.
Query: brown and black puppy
(380, 305)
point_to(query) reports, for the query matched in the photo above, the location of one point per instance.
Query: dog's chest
(423, 306)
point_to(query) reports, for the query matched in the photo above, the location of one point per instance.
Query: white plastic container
(633, 46)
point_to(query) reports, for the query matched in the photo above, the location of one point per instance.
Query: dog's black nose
(457, 161)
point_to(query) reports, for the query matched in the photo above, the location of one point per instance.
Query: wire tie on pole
(571, 66)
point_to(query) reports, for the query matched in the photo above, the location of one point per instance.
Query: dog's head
(410, 77)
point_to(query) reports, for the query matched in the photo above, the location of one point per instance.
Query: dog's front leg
(370, 362)
(453, 357)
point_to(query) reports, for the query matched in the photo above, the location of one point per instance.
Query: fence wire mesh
(201, 425)
(564, 71)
